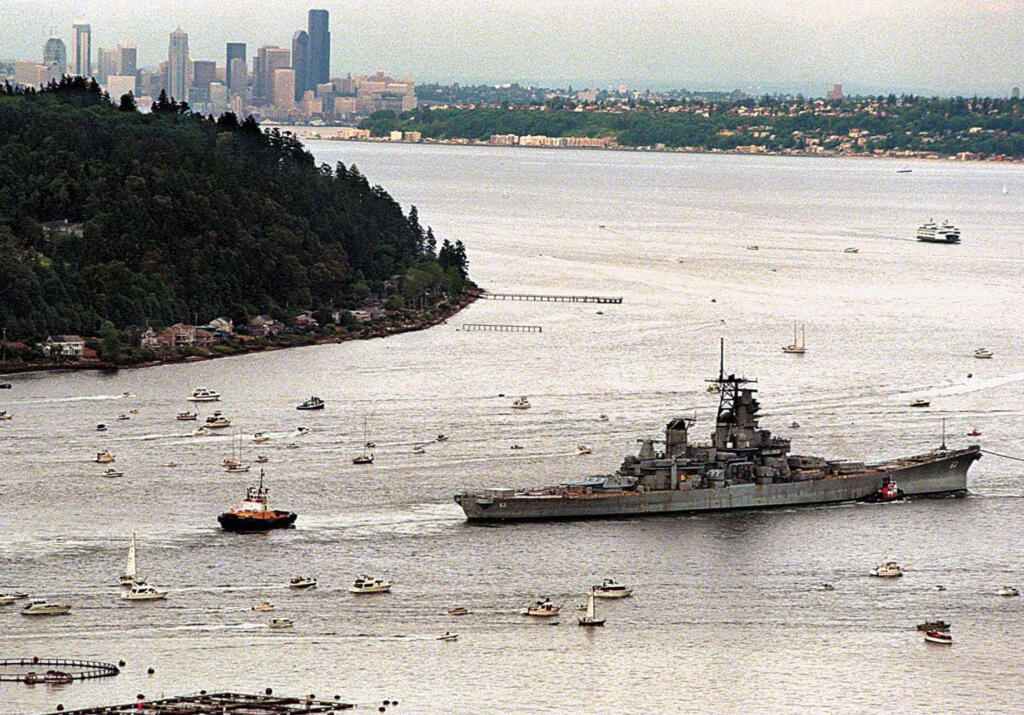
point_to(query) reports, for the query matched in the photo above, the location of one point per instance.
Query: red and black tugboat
(887, 493)
(255, 514)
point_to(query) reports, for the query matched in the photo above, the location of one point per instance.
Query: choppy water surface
(726, 615)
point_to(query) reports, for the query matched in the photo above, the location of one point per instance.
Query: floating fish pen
(502, 328)
(205, 703)
(552, 298)
(53, 670)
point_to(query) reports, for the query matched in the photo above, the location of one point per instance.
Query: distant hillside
(109, 214)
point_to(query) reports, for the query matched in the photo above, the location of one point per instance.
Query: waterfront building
(81, 48)
(319, 48)
(235, 51)
(55, 53)
(177, 65)
(300, 63)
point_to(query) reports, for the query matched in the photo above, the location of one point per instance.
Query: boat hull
(234, 522)
(942, 474)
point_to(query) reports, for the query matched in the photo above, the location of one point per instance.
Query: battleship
(742, 467)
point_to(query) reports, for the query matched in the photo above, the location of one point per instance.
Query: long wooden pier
(551, 298)
(502, 328)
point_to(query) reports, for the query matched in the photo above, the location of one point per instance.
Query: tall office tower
(319, 48)
(300, 62)
(55, 53)
(177, 65)
(239, 75)
(268, 59)
(203, 73)
(81, 48)
(128, 60)
(236, 51)
(107, 64)
(284, 88)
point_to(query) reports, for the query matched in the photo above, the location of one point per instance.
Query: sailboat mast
(590, 605)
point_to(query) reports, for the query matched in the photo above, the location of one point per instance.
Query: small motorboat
(300, 431)
(217, 421)
(890, 569)
(1008, 591)
(291, 445)
(143, 592)
(101, 427)
(364, 458)
(123, 417)
(602, 418)
(826, 587)
(187, 416)
(7, 599)
(259, 438)
(171, 464)
(448, 636)
(920, 403)
(5, 386)
(590, 619)
(939, 587)
(200, 431)
(419, 449)
(543, 608)
(5, 415)
(983, 354)
(582, 449)
(281, 623)
(753, 247)
(974, 433)
(263, 606)
(851, 249)
(238, 467)
(105, 457)
(939, 625)
(516, 446)
(42, 607)
(370, 445)
(202, 394)
(313, 403)
(368, 584)
(111, 473)
(302, 582)
(610, 588)
(262, 459)
(794, 425)
(458, 611)
(442, 437)
(523, 403)
(938, 637)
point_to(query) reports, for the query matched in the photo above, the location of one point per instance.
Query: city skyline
(757, 45)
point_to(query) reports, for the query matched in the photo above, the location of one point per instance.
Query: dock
(502, 328)
(552, 298)
(216, 704)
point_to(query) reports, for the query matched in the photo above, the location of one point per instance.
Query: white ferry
(932, 232)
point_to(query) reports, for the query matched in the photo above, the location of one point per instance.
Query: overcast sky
(925, 46)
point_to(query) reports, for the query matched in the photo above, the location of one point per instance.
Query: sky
(943, 47)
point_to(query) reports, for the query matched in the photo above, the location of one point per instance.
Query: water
(726, 615)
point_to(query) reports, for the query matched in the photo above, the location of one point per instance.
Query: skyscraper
(177, 65)
(128, 60)
(108, 62)
(236, 51)
(300, 62)
(268, 59)
(81, 48)
(319, 49)
(54, 52)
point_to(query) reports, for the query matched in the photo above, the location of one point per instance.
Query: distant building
(836, 93)
(284, 88)
(300, 63)
(1015, 93)
(222, 324)
(238, 77)
(319, 48)
(55, 53)
(177, 65)
(128, 60)
(35, 74)
(149, 339)
(203, 72)
(268, 59)
(120, 84)
(107, 63)
(236, 51)
(81, 48)
(72, 345)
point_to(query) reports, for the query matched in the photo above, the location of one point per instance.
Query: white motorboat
(543, 608)
(458, 611)
(217, 421)
(238, 467)
(583, 449)
(131, 576)
(263, 606)
(1008, 591)
(187, 416)
(111, 473)
(301, 431)
(442, 437)
(938, 637)
(123, 417)
(797, 348)
(143, 592)
(602, 418)
(448, 636)
(983, 354)
(851, 249)
(368, 584)
(200, 431)
(890, 569)
(523, 403)
(590, 619)
(105, 457)
(42, 607)
(313, 403)
(610, 588)
(262, 459)
(302, 582)
(7, 599)
(203, 394)
(260, 438)
(419, 449)
(5, 415)
(281, 623)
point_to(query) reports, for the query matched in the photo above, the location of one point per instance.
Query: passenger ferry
(932, 232)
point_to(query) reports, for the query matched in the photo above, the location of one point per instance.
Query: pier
(552, 298)
(218, 704)
(502, 328)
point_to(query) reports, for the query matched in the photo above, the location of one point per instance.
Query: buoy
(60, 707)
(120, 663)
(269, 691)
(394, 702)
(337, 697)
(381, 709)
(35, 659)
(140, 696)
(713, 300)
(150, 671)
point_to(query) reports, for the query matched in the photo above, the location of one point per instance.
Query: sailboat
(591, 618)
(131, 577)
(366, 457)
(798, 341)
(1005, 190)
(235, 463)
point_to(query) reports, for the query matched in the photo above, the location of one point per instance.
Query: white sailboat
(131, 577)
(591, 618)
(798, 341)
(366, 457)
(1005, 190)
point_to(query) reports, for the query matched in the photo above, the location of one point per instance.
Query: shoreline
(468, 298)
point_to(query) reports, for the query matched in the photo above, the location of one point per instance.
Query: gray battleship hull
(935, 474)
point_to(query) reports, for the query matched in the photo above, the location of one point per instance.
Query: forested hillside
(171, 215)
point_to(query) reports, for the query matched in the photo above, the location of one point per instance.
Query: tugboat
(254, 514)
(313, 403)
(888, 492)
